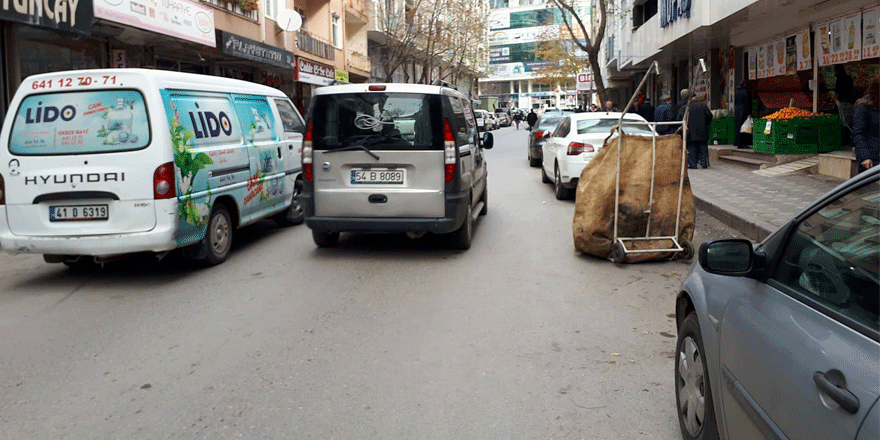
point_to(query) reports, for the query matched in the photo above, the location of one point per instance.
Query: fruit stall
(793, 130)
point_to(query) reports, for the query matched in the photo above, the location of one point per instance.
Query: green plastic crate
(721, 131)
(828, 132)
(787, 136)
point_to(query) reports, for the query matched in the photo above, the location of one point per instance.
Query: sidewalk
(751, 203)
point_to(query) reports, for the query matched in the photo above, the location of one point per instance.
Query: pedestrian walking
(866, 128)
(517, 118)
(684, 95)
(609, 107)
(742, 109)
(646, 110)
(663, 113)
(697, 122)
(532, 118)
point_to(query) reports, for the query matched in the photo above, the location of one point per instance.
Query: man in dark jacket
(866, 129)
(698, 120)
(646, 110)
(532, 118)
(663, 113)
(742, 109)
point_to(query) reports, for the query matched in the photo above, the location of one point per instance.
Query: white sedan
(575, 142)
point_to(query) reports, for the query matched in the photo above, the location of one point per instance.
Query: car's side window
(563, 128)
(834, 257)
(289, 117)
(459, 124)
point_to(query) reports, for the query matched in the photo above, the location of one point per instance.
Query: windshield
(96, 121)
(550, 121)
(603, 126)
(395, 121)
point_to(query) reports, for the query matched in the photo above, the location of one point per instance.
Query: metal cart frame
(619, 250)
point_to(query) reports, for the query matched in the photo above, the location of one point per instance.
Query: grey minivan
(393, 158)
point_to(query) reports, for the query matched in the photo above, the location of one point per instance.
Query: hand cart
(619, 248)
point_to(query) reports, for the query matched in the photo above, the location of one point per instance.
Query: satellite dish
(289, 20)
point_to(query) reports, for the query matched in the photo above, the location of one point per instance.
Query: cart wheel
(688, 250)
(617, 256)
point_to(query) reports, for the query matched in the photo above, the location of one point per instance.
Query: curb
(755, 230)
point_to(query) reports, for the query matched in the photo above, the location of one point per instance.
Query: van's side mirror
(488, 141)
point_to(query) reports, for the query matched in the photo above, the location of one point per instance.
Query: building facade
(516, 30)
(254, 40)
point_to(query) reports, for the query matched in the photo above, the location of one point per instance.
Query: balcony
(233, 8)
(309, 43)
(356, 12)
(358, 61)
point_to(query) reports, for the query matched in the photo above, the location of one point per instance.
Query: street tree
(562, 63)
(585, 40)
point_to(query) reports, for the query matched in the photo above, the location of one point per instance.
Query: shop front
(310, 75)
(45, 39)
(272, 65)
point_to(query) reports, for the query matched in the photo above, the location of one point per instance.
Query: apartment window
(336, 30)
(302, 13)
(272, 8)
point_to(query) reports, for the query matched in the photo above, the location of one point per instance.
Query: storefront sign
(585, 81)
(341, 75)
(782, 56)
(255, 51)
(870, 37)
(66, 15)
(523, 35)
(182, 19)
(840, 40)
(310, 72)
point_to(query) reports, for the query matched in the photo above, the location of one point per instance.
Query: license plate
(393, 177)
(63, 213)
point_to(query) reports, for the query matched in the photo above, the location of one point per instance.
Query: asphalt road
(382, 337)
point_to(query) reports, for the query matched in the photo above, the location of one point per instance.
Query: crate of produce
(828, 132)
(721, 131)
(786, 136)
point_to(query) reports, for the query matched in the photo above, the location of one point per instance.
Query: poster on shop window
(840, 40)
(870, 39)
(804, 54)
(753, 63)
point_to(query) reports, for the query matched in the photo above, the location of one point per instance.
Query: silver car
(782, 340)
(393, 158)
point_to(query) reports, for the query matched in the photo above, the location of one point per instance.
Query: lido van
(101, 163)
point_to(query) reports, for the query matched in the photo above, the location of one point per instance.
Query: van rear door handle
(279, 152)
(833, 384)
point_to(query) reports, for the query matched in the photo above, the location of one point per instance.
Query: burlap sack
(593, 225)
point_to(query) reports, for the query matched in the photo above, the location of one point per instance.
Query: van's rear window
(385, 121)
(94, 121)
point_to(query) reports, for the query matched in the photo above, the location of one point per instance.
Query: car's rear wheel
(544, 178)
(485, 199)
(562, 193)
(693, 393)
(533, 162)
(325, 239)
(218, 237)
(461, 238)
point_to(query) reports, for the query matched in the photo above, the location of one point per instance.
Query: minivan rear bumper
(159, 239)
(456, 211)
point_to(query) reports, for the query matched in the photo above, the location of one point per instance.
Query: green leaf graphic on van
(188, 163)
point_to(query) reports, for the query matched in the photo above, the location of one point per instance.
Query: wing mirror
(731, 257)
(487, 141)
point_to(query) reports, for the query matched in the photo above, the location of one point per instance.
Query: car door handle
(837, 391)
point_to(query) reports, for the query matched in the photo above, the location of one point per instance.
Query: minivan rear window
(94, 121)
(386, 121)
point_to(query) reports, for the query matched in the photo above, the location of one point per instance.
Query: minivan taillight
(448, 151)
(2, 191)
(308, 170)
(163, 182)
(576, 148)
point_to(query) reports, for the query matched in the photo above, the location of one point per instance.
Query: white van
(99, 163)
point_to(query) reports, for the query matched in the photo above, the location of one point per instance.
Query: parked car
(393, 158)
(484, 123)
(493, 120)
(782, 339)
(575, 142)
(503, 118)
(539, 134)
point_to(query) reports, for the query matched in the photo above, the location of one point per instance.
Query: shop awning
(782, 99)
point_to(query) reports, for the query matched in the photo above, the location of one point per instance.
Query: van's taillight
(308, 170)
(576, 148)
(2, 191)
(448, 150)
(163, 182)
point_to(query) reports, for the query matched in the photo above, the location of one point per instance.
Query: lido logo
(49, 114)
(207, 124)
